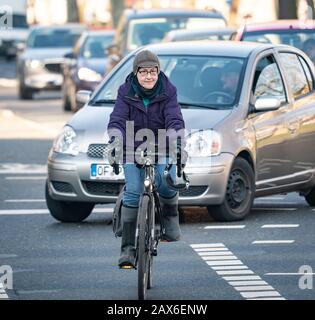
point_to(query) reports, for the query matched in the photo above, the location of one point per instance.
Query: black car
(142, 27)
(85, 67)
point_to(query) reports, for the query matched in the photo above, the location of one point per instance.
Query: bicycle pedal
(154, 252)
(127, 267)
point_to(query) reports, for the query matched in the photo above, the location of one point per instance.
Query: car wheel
(68, 211)
(240, 192)
(25, 93)
(310, 197)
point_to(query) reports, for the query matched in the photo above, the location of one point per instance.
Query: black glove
(113, 152)
(178, 153)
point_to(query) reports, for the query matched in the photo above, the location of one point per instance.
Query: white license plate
(103, 172)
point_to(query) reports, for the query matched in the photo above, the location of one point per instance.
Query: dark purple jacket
(163, 112)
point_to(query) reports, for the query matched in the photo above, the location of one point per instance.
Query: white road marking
(275, 209)
(253, 288)
(260, 294)
(238, 278)
(26, 178)
(273, 241)
(234, 272)
(215, 253)
(43, 211)
(231, 269)
(225, 227)
(22, 168)
(290, 274)
(247, 283)
(271, 198)
(211, 249)
(267, 299)
(206, 245)
(7, 256)
(24, 200)
(224, 263)
(3, 296)
(280, 226)
(219, 258)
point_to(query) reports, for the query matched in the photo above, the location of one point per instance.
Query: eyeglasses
(144, 73)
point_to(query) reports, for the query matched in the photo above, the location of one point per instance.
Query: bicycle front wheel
(144, 244)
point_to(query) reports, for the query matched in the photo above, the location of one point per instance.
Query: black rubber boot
(128, 250)
(170, 218)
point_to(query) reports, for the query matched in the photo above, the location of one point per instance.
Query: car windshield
(95, 46)
(53, 38)
(295, 38)
(145, 31)
(204, 81)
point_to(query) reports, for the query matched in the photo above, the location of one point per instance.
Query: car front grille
(63, 187)
(53, 67)
(96, 150)
(193, 191)
(98, 188)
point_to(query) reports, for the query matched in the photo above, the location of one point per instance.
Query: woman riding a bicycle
(148, 99)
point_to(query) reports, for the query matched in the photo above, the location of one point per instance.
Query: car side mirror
(83, 96)
(267, 104)
(69, 55)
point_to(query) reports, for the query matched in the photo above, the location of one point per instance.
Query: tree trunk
(117, 8)
(233, 12)
(287, 9)
(311, 9)
(73, 11)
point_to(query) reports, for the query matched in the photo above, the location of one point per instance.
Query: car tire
(310, 197)
(25, 93)
(240, 192)
(64, 211)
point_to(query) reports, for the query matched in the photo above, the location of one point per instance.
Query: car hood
(45, 53)
(97, 65)
(90, 123)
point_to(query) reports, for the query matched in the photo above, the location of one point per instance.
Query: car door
(300, 120)
(272, 163)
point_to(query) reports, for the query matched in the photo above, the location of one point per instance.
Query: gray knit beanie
(145, 58)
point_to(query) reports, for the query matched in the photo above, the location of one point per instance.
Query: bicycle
(150, 229)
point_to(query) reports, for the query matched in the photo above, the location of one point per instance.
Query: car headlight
(203, 143)
(65, 142)
(87, 74)
(33, 64)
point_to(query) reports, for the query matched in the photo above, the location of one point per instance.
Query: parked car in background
(137, 28)
(13, 28)
(199, 34)
(39, 66)
(295, 33)
(252, 108)
(85, 66)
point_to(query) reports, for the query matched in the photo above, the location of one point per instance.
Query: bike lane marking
(238, 275)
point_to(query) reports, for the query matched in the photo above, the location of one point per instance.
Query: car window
(307, 73)
(206, 80)
(295, 74)
(95, 46)
(53, 38)
(267, 80)
(294, 37)
(146, 31)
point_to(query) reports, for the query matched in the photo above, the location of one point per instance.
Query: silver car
(39, 66)
(250, 112)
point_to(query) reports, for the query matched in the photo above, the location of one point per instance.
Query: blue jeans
(134, 178)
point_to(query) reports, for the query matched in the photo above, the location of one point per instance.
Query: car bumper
(69, 180)
(47, 81)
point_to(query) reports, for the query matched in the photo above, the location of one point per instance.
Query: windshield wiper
(102, 102)
(197, 105)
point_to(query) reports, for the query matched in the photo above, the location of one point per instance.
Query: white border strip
(238, 275)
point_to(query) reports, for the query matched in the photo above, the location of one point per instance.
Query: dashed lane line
(44, 211)
(266, 226)
(231, 269)
(273, 241)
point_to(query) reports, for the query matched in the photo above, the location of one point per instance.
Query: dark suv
(142, 27)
